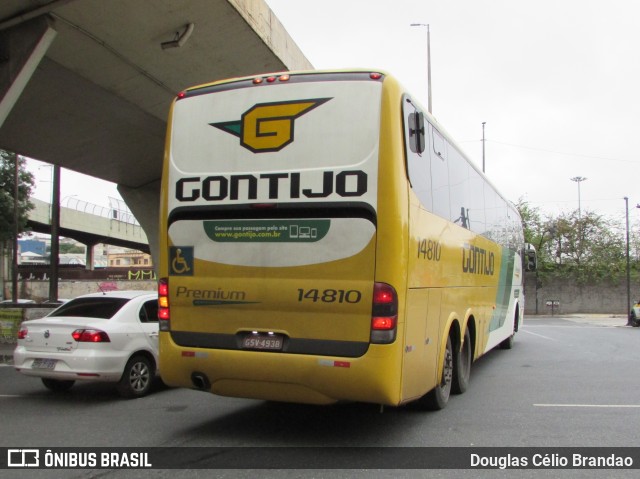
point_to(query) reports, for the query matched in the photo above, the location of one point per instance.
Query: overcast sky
(556, 81)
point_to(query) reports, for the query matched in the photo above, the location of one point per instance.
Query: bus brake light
(164, 314)
(384, 314)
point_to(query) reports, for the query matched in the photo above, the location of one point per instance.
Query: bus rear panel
(271, 234)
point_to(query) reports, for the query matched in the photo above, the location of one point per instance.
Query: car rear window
(103, 308)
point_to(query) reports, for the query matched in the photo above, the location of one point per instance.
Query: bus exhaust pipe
(200, 381)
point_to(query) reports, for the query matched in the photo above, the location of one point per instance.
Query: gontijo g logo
(269, 127)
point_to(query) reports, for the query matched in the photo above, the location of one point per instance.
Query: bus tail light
(384, 314)
(163, 305)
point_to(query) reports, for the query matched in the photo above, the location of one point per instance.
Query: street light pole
(579, 179)
(626, 204)
(55, 235)
(14, 269)
(483, 140)
(428, 60)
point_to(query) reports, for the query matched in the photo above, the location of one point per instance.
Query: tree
(7, 194)
(538, 232)
(582, 246)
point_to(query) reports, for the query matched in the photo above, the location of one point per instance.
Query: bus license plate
(42, 363)
(263, 342)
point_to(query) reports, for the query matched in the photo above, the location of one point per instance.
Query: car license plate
(263, 342)
(43, 363)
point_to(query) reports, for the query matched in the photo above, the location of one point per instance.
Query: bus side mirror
(416, 132)
(530, 257)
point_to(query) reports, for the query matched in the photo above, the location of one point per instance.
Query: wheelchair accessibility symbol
(181, 258)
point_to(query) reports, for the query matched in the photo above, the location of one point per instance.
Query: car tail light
(384, 314)
(163, 305)
(90, 336)
(23, 333)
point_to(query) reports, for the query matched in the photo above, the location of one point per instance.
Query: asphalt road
(567, 382)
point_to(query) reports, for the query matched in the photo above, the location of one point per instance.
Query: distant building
(33, 245)
(29, 257)
(129, 258)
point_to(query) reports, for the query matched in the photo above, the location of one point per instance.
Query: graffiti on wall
(43, 273)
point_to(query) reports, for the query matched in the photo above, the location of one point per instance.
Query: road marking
(612, 406)
(567, 326)
(539, 335)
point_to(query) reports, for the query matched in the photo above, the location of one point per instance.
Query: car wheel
(137, 378)
(438, 397)
(57, 384)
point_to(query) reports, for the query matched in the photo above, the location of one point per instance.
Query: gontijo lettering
(277, 186)
(476, 260)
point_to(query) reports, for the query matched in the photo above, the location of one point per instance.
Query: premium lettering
(275, 186)
(184, 292)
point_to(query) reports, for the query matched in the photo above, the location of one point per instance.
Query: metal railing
(117, 209)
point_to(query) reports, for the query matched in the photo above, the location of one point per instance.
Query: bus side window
(416, 132)
(440, 183)
(438, 145)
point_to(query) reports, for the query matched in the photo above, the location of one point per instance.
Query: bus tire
(438, 397)
(462, 366)
(508, 343)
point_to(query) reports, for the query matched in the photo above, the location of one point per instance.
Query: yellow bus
(323, 239)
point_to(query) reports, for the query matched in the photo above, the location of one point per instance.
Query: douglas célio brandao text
(549, 460)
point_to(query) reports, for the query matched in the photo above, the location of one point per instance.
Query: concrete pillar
(21, 49)
(144, 203)
(89, 257)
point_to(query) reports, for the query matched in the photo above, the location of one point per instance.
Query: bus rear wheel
(508, 343)
(462, 366)
(438, 397)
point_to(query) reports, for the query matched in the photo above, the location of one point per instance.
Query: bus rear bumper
(283, 377)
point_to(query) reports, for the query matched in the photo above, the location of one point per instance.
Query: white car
(106, 337)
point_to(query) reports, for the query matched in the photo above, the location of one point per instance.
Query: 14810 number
(351, 296)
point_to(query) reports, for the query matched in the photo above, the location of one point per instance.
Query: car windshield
(103, 308)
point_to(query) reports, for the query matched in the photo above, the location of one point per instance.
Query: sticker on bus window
(267, 231)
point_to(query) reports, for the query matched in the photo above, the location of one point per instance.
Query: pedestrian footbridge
(91, 224)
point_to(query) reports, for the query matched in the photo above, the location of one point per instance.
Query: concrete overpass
(87, 84)
(90, 226)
